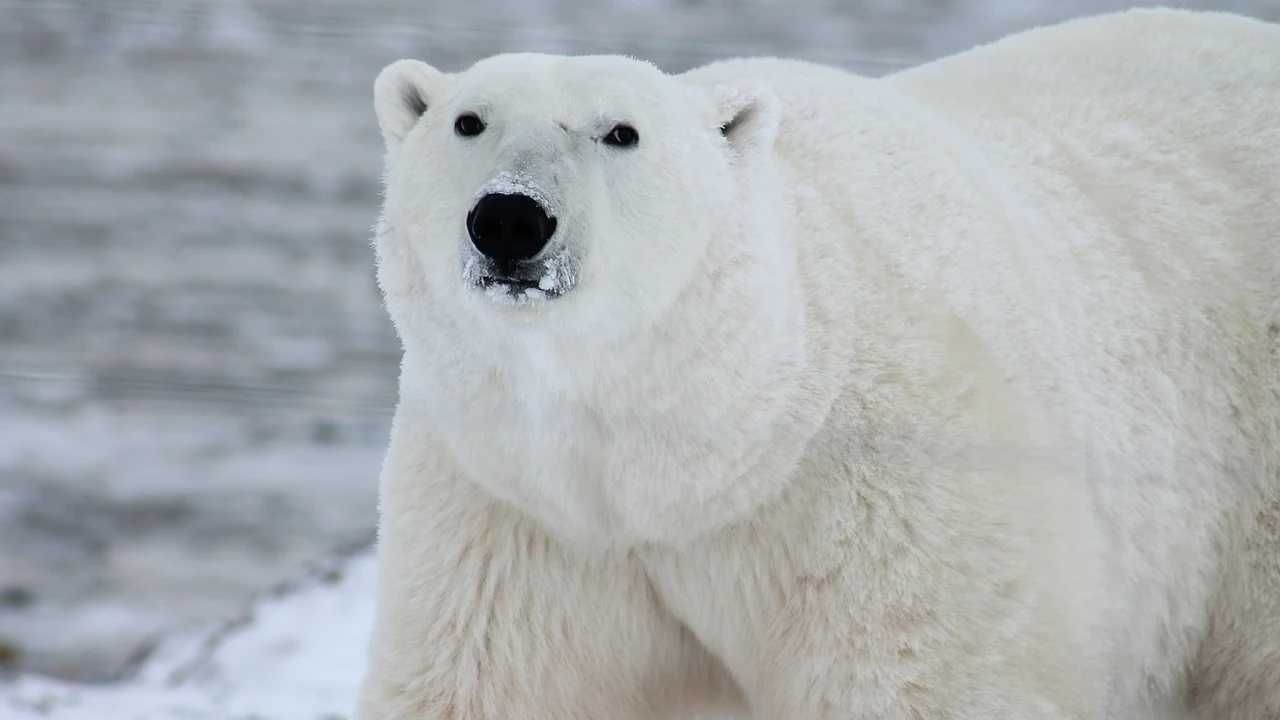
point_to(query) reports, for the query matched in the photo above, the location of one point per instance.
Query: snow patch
(300, 655)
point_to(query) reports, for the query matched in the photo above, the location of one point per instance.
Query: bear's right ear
(747, 114)
(401, 94)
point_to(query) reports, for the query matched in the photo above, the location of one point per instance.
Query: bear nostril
(509, 227)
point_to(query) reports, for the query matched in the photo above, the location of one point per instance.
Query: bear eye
(468, 125)
(622, 136)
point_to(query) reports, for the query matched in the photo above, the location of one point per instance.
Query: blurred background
(196, 374)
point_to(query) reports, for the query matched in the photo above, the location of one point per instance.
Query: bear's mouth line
(543, 279)
(515, 284)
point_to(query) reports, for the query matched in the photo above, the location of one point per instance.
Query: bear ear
(747, 114)
(401, 94)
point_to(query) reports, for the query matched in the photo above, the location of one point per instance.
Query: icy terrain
(269, 665)
(196, 375)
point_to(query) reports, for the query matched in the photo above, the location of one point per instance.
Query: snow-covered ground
(297, 656)
(196, 375)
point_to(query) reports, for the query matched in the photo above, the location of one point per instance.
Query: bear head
(580, 192)
(585, 262)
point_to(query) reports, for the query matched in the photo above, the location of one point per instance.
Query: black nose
(509, 227)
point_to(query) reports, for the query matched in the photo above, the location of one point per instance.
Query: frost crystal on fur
(509, 183)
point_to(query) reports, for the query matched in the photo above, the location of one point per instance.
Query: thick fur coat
(952, 394)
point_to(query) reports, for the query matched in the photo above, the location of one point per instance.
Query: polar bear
(774, 391)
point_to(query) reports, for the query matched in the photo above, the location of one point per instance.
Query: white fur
(952, 394)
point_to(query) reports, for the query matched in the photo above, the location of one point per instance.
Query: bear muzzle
(511, 232)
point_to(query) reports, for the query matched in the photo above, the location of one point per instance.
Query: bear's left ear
(401, 94)
(747, 114)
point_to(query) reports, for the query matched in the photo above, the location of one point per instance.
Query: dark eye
(622, 136)
(468, 125)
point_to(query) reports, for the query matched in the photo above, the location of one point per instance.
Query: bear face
(544, 188)
(554, 231)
